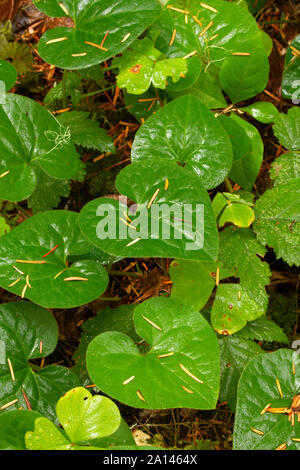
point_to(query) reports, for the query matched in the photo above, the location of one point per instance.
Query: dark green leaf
(262, 111)
(287, 129)
(8, 74)
(13, 426)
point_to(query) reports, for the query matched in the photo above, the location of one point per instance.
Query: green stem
(64, 88)
(93, 93)
(228, 185)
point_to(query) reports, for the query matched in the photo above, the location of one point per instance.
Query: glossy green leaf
(186, 132)
(287, 129)
(245, 171)
(290, 80)
(277, 222)
(31, 135)
(8, 74)
(141, 109)
(117, 319)
(125, 20)
(262, 111)
(86, 132)
(232, 308)
(29, 332)
(240, 252)
(235, 353)
(86, 417)
(258, 388)
(285, 168)
(237, 31)
(238, 214)
(238, 136)
(163, 229)
(46, 436)
(191, 372)
(193, 282)
(139, 67)
(85, 420)
(263, 329)
(123, 437)
(34, 238)
(13, 426)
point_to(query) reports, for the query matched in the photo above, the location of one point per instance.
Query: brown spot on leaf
(136, 69)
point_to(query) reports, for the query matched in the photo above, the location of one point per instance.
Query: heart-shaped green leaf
(51, 281)
(29, 332)
(193, 282)
(102, 29)
(40, 140)
(290, 79)
(13, 426)
(170, 221)
(8, 74)
(245, 171)
(183, 357)
(217, 33)
(262, 111)
(277, 220)
(232, 308)
(235, 354)
(268, 403)
(139, 67)
(286, 168)
(287, 129)
(185, 131)
(83, 417)
(238, 136)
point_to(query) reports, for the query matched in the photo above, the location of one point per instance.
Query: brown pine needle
(104, 39)
(126, 223)
(9, 404)
(41, 347)
(218, 276)
(11, 370)
(187, 389)
(281, 447)
(23, 291)
(140, 395)
(133, 242)
(241, 53)
(15, 282)
(257, 431)
(75, 278)
(59, 111)
(81, 54)
(279, 388)
(27, 282)
(95, 45)
(161, 356)
(296, 439)
(191, 54)
(153, 198)
(178, 9)
(152, 323)
(166, 184)
(4, 174)
(64, 9)
(206, 29)
(30, 261)
(190, 374)
(126, 37)
(172, 37)
(28, 404)
(18, 270)
(145, 100)
(128, 380)
(58, 274)
(294, 368)
(52, 41)
(265, 409)
(295, 50)
(203, 5)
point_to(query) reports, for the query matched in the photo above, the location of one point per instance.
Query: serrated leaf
(263, 329)
(262, 111)
(277, 222)
(55, 95)
(113, 358)
(258, 388)
(285, 168)
(158, 229)
(40, 139)
(86, 132)
(245, 171)
(287, 129)
(48, 192)
(92, 20)
(290, 80)
(239, 252)
(29, 332)
(18, 53)
(34, 238)
(233, 308)
(13, 426)
(4, 227)
(235, 353)
(190, 135)
(139, 67)
(8, 74)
